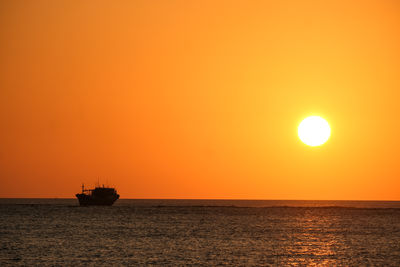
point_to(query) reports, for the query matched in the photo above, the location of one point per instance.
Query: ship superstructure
(100, 195)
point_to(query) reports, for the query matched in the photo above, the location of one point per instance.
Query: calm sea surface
(199, 232)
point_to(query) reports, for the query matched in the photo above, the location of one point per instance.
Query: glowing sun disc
(314, 131)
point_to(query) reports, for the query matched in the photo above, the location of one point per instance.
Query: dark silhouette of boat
(104, 196)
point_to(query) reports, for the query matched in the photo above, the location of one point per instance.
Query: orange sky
(199, 99)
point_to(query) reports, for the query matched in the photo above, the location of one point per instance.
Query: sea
(137, 232)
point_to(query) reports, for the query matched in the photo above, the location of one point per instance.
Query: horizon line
(229, 199)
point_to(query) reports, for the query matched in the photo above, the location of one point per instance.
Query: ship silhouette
(104, 196)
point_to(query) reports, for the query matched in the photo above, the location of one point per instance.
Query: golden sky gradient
(199, 99)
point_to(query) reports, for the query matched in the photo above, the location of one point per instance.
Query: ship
(100, 195)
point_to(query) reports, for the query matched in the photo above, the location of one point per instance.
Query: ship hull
(87, 200)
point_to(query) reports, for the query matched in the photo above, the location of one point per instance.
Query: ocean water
(57, 232)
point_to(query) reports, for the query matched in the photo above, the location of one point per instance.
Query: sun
(314, 131)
